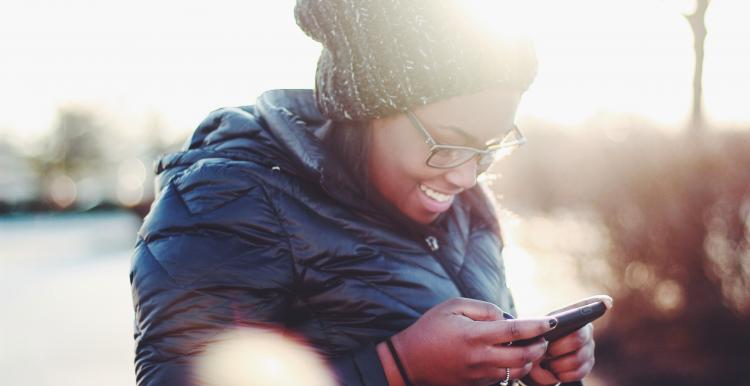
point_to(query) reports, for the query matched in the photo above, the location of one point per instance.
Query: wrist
(389, 365)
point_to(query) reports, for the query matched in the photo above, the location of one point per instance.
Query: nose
(464, 176)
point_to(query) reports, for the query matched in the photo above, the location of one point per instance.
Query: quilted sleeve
(211, 255)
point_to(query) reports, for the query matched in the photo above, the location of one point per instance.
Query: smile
(437, 196)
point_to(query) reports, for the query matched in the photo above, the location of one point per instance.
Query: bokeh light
(668, 296)
(255, 357)
(131, 177)
(63, 191)
(638, 275)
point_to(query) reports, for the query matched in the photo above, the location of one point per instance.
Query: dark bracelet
(396, 359)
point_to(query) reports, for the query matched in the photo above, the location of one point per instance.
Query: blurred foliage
(83, 163)
(677, 212)
(75, 146)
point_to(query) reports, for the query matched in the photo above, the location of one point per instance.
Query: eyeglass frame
(491, 150)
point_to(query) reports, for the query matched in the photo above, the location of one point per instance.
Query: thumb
(476, 310)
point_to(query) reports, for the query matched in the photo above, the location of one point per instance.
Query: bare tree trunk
(697, 21)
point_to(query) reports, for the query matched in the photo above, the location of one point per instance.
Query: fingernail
(507, 315)
(552, 323)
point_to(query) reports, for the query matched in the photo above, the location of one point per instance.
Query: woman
(351, 215)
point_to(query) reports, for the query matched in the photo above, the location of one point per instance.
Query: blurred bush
(677, 212)
(84, 162)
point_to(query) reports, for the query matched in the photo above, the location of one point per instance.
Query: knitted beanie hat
(382, 57)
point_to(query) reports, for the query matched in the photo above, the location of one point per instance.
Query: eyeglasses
(451, 156)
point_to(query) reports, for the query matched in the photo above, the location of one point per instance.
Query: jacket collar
(297, 126)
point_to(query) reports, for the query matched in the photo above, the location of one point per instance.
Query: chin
(423, 218)
(412, 208)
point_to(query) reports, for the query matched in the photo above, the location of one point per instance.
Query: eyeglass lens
(452, 157)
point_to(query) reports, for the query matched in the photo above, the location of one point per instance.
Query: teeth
(437, 196)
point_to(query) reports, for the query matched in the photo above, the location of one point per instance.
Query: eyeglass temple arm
(418, 124)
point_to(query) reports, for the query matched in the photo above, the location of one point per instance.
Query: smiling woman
(350, 215)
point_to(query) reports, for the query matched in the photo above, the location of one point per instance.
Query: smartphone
(573, 317)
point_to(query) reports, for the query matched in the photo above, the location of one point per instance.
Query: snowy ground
(66, 304)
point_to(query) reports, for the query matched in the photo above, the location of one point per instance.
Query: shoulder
(213, 187)
(230, 132)
(223, 123)
(215, 216)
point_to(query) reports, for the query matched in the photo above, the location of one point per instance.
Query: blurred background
(633, 183)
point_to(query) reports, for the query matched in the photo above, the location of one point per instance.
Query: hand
(571, 357)
(568, 359)
(461, 342)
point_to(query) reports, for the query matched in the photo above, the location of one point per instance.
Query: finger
(475, 309)
(492, 375)
(572, 361)
(571, 342)
(543, 376)
(518, 373)
(591, 299)
(503, 356)
(503, 331)
(577, 375)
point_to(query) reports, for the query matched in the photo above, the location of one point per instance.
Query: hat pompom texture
(381, 57)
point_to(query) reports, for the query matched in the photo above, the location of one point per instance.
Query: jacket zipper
(434, 245)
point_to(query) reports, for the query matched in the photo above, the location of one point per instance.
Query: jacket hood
(283, 128)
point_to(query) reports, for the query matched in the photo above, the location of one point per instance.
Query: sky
(140, 61)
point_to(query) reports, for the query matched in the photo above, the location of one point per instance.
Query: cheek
(412, 170)
(397, 173)
(397, 167)
(406, 162)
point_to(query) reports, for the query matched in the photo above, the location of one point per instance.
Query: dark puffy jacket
(254, 225)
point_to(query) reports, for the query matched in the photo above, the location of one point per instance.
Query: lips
(434, 201)
(434, 194)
